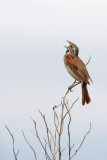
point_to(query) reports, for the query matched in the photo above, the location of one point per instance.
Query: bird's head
(73, 49)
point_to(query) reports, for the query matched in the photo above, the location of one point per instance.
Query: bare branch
(72, 146)
(81, 142)
(70, 108)
(87, 64)
(88, 60)
(48, 131)
(61, 129)
(75, 83)
(51, 140)
(56, 117)
(29, 145)
(69, 136)
(55, 145)
(62, 150)
(56, 106)
(63, 104)
(45, 148)
(37, 135)
(15, 154)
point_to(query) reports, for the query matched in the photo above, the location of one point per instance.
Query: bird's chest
(70, 71)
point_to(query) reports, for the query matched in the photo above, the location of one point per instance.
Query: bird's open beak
(65, 47)
(70, 43)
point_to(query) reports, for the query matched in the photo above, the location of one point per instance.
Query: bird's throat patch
(70, 60)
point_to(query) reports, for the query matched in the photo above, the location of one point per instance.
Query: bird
(77, 69)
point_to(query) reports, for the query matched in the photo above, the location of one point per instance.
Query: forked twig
(56, 117)
(70, 108)
(15, 154)
(75, 83)
(29, 145)
(37, 135)
(48, 131)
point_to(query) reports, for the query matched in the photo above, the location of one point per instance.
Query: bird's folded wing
(78, 67)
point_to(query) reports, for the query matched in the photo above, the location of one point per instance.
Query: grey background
(33, 76)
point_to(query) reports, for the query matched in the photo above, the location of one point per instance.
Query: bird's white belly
(72, 73)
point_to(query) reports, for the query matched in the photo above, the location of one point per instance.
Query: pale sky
(33, 76)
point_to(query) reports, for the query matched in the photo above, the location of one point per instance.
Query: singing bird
(77, 69)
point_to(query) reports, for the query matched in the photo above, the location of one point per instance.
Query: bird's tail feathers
(85, 94)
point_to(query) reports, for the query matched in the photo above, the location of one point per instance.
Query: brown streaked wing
(79, 69)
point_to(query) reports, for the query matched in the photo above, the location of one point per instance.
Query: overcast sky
(33, 76)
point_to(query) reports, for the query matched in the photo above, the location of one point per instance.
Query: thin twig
(55, 145)
(70, 108)
(72, 146)
(56, 106)
(61, 128)
(75, 83)
(81, 142)
(88, 60)
(87, 64)
(29, 145)
(62, 150)
(15, 154)
(56, 117)
(45, 148)
(69, 134)
(48, 131)
(37, 135)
